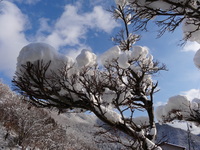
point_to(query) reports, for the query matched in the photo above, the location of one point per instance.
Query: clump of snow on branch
(177, 108)
(41, 51)
(139, 52)
(109, 114)
(86, 58)
(109, 55)
(123, 61)
(108, 95)
(121, 2)
(195, 104)
(177, 102)
(158, 4)
(34, 52)
(125, 58)
(196, 59)
(191, 29)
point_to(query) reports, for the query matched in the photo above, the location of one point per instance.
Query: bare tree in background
(28, 126)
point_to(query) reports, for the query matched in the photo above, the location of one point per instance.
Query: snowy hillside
(184, 125)
(81, 125)
(81, 130)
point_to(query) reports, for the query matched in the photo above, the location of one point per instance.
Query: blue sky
(71, 25)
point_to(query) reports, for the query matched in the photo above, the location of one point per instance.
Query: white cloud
(191, 46)
(72, 26)
(70, 29)
(12, 39)
(101, 19)
(44, 26)
(191, 94)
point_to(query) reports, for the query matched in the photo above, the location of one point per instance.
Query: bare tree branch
(166, 14)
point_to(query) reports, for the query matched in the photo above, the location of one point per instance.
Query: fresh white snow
(86, 58)
(196, 59)
(41, 51)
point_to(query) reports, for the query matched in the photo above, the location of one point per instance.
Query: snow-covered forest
(91, 101)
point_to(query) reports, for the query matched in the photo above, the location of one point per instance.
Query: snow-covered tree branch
(123, 84)
(166, 14)
(179, 108)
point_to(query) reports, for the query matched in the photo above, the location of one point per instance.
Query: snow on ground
(3, 143)
(183, 125)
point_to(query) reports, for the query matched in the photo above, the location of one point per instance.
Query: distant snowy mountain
(184, 125)
(178, 136)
